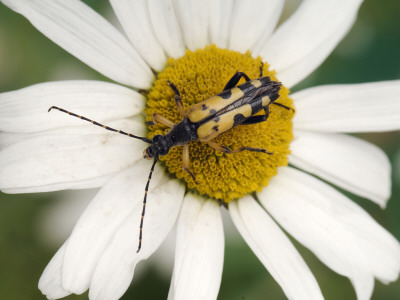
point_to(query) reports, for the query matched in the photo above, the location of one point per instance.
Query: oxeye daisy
(172, 56)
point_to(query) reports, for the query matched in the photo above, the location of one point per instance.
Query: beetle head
(159, 146)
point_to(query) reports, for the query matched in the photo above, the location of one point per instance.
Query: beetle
(206, 120)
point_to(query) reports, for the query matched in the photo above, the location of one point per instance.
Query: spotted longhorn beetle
(206, 120)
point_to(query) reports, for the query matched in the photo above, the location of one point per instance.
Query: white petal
(88, 36)
(79, 184)
(251, 21)
(166, 27)
(199, 251)
(274, 250)
(133, 124)
(318, 231)
(115, 269)
(274, 15)
(98, 223)
(396, 168)
(362, 107)
(60, 161)
(383, 250)
(135, 19)
(349, 162)
(7, 139)
(303, 42)
(219, 22)
(339, 232)
(56, 221)
(50, 281)
(25, 110)
(162, 260)
(193, 20)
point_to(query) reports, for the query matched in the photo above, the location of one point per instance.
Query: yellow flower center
(199, 75)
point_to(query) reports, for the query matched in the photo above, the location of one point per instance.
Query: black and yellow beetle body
(206, 120)
(232, 107)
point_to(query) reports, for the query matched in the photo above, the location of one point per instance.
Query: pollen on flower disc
(199, 75)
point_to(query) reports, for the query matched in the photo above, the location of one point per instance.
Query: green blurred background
(29, 233)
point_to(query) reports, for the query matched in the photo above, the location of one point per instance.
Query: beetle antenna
(101, 125)
(144, 202)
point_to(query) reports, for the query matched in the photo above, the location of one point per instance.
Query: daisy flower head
(172, 55)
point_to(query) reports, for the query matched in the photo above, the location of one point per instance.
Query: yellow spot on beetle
(265, 100)
(256, 83)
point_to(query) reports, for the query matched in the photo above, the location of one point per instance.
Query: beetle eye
(156, 138)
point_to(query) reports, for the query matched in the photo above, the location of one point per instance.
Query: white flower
(46, 152)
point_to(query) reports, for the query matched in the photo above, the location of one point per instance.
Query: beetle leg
(186, 162)
(178, 100)
(225, 149)
(235, 79)
(157, 118)
(261, 69)
(257, 119)
(284, 106)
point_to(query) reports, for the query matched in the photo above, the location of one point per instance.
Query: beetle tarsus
(191, 174)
